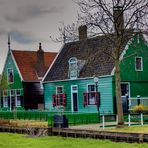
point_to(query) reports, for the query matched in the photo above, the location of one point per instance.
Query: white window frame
(5, 99)
(8, 75)
(141, 63)
(57, 99)
(18, 103)
(13, 93)
(57, 89)
(73, 60)
(91, 92)
(74, 91)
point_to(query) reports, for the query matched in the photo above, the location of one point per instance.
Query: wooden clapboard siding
(138, 79)
(104, 87)
(17, 84)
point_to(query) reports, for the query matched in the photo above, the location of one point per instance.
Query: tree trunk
(118, 94)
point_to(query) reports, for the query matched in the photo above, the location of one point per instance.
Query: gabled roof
(29, 64)
(92, 51)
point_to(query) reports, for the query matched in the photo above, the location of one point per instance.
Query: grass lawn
(8, 140)
(131, 129)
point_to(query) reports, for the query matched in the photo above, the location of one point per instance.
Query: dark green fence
(73, 118)
(24, 115)
(77, 118)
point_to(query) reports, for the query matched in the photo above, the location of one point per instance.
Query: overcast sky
(32, 21)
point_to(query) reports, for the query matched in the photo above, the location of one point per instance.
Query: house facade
(82, 77)
(134, 72)
(21, 78)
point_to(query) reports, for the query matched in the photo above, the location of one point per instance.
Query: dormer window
(138, 64)
(73, 68)
(10, 75)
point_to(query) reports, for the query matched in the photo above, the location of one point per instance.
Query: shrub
(140, 108)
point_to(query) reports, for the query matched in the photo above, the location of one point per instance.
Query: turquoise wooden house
(21, 78)
(82, 72)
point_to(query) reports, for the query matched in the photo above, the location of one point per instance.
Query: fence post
(103, 122)
(129, 120)
(141, 118)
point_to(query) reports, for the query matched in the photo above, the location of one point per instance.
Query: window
(59, 92)
(91, 95)
(138, 64)
(59, 98)
(5, 98)
(18, 92)
(18, 103)
(5, 101)
(10, 76)
(73, 68)
(12, 92)
(18, 96)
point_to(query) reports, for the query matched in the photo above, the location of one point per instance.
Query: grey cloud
(23, 38)
(28, 12)
(3, 31)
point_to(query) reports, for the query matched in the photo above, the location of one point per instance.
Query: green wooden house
(82, 72)
(21, 78)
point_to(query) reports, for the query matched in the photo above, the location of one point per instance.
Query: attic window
(138, 64)
(73, 68)
(10, 75)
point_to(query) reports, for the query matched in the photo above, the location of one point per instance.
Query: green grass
(8, 140)
(131, 129)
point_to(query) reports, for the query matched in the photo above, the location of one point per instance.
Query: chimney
(118, 18)
(82, 32)
(40, 61)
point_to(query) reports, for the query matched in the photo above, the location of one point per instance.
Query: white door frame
(129, 92)
(73, 91)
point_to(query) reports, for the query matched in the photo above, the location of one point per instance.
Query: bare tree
(116, 20)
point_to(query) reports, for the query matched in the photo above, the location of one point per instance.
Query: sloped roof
(97, 61)
(27, 62)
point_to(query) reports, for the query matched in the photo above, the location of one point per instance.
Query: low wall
(114, 136)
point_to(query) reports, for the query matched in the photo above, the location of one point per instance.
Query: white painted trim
(33, 81)
(68, 80)
(16, 66)
(92, 92)
(72, 109)
(86, 78)
(142, 98)
(52, 63)
(91, 84)
(141, 63)
(122, 54)
(113, 71)
(104, 76)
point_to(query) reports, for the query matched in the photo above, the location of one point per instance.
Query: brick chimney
(82, 32)
(118, 18)
(40, 61)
